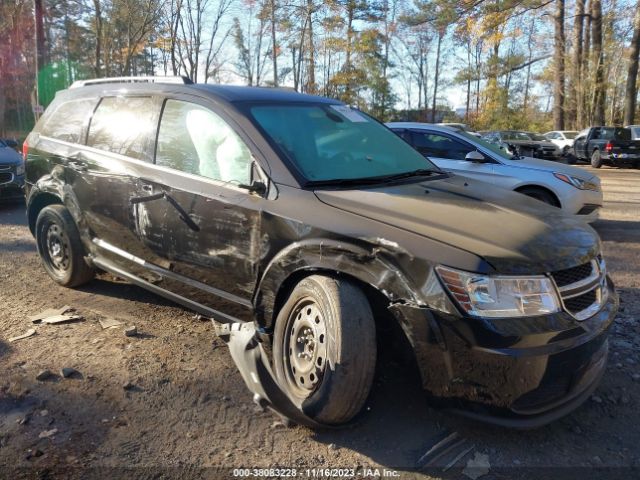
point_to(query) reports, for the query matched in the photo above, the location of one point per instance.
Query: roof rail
(150, 79)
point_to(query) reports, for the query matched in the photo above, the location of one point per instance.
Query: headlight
(20, 168)
(500, 296)
(577, 182)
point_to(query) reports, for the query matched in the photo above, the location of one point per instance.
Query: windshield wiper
(421, 172)
(340, 182)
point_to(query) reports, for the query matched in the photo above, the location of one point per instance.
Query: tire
(541, 195)
(324, 350)
(60, 247)
(596, 159)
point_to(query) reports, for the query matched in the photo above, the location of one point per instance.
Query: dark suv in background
(11, 171)
(328, 231)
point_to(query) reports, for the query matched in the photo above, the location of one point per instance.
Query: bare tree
(577, 81)
(632, 72)
(558, 64)
(599, 90)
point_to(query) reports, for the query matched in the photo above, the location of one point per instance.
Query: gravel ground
(169, 402)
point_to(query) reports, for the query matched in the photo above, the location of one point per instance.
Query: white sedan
(563, 139)
(574, 190)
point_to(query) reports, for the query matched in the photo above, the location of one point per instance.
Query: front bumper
(584, 204)
(513, 372)
(12, 186)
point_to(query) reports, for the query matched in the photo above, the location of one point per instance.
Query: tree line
(531, 64)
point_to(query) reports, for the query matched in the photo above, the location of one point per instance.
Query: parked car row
(525, 144)
(332, 237)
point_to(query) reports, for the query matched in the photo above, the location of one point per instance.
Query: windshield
(456, 126)
(492, 147)
(537, 137)
(2, 144)
(570, 135)
(329, 142)
(515, 136)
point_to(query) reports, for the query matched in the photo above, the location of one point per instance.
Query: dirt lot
(187, 413)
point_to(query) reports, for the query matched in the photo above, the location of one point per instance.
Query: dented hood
(512, 232)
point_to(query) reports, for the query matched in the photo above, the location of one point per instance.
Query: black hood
(514, 233)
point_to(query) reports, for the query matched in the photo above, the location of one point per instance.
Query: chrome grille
(583, 289)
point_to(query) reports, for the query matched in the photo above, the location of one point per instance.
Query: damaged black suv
(319, 225)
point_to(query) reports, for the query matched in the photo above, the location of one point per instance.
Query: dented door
(192, 213)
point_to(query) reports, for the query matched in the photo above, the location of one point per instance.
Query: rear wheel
(324, 349)
(541, 195)
(60, 247)
(596, 159)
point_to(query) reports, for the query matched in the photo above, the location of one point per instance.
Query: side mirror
(258, 181)
(256, 187)
(475, 156)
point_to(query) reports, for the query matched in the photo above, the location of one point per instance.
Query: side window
(195, 140)
(124, 125)
(434, 145)
(68, 120)
(403, 134)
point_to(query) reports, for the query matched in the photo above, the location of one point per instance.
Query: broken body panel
(246, 251)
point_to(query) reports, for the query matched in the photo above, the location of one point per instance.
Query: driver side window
(195, 140)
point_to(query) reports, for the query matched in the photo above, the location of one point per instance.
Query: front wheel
(324, 349)
(596, 159)
(60, 247)
(541, 195)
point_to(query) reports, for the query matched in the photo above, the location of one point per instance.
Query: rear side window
(68, 120)
(124, 125)
(195, 140)
(613, 133)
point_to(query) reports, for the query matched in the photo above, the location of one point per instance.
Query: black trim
(196, 307)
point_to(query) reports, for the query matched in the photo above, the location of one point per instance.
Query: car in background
(607, 145)
(563, 139)
(460, 126)
(572, 189)
(635, 131)
(11, 173)
(525, 144)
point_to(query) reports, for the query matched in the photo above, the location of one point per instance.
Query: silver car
(574, 190)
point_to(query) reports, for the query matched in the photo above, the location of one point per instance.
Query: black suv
(323, 227)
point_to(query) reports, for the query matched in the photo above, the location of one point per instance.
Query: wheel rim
(57, 248)
(305, 348)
